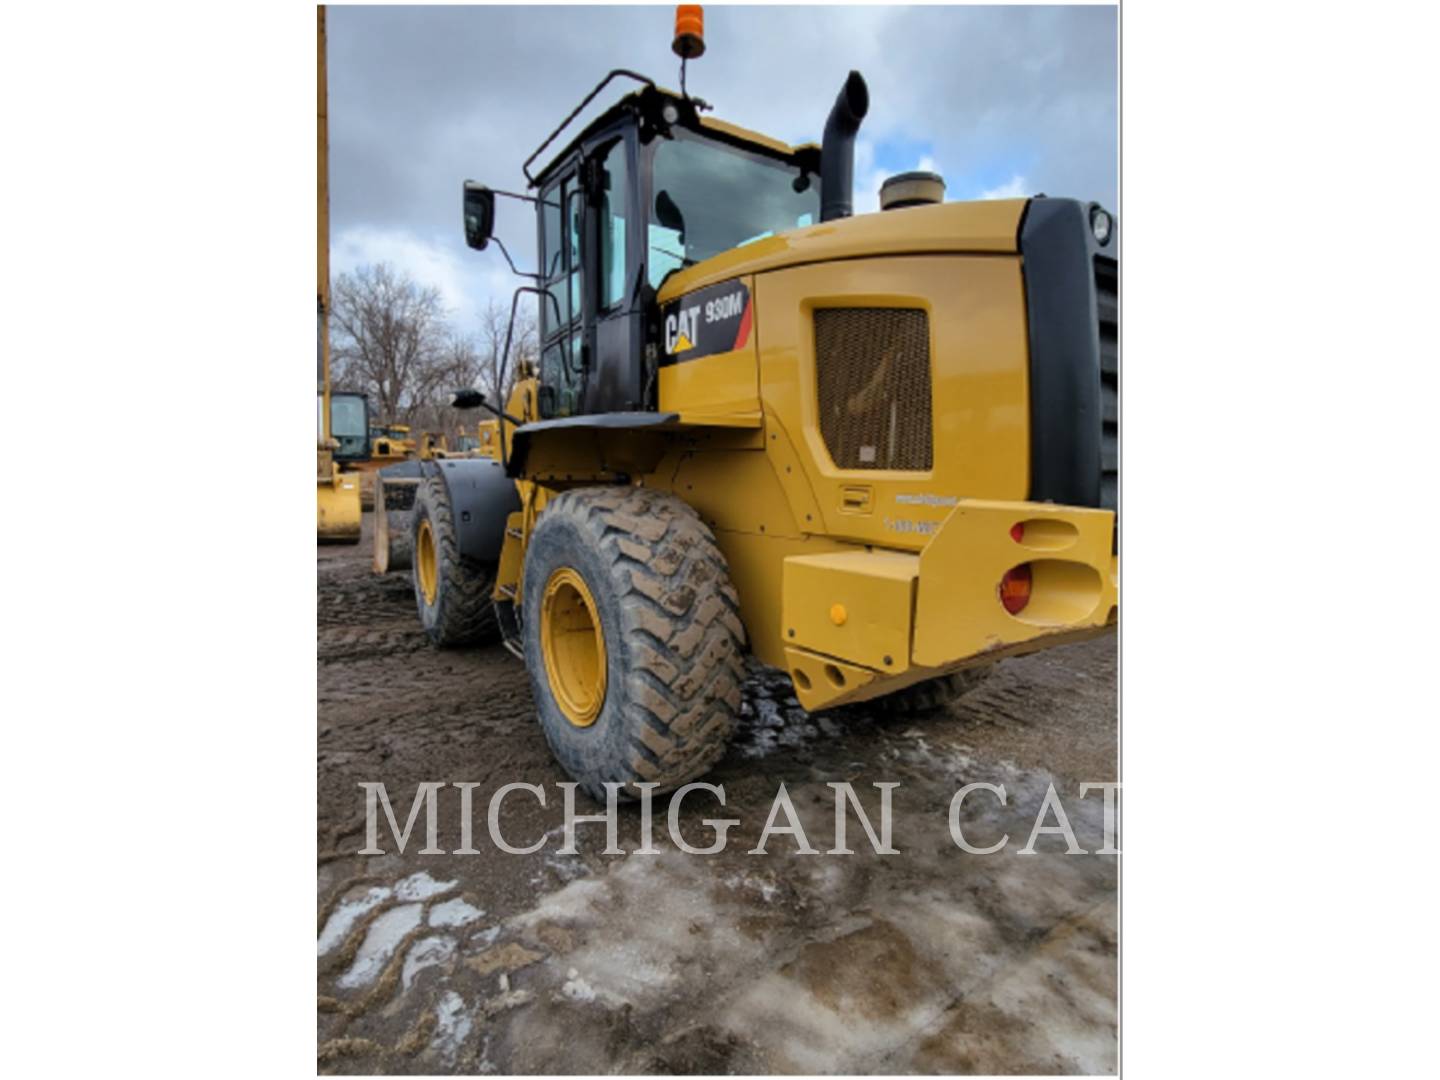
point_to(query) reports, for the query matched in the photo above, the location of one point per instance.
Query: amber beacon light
(689, 40)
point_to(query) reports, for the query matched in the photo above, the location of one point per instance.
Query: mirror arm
(516, 195)
(513, 268)
(475, 399)
(501, 414)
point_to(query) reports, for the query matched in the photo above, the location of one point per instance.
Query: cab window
(614, 187)
(710, 197)
(560, 359)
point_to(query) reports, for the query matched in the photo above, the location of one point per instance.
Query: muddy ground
(931, 960)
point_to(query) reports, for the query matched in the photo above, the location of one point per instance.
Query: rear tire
(936, 695)
(452, 593)
(632, 637)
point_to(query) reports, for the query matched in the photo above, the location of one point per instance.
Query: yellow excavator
(343, 420)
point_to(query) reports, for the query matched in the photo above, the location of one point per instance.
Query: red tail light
(1015, 589)
(1017, 532)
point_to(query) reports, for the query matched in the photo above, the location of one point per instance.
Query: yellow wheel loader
(877, 451)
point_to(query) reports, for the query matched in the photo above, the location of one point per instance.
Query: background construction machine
(342, 418)
(878, 452)
(391, 442)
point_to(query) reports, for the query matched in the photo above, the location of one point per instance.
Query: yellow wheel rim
(573, 644)
(425, 561)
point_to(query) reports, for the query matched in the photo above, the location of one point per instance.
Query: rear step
(509, 624)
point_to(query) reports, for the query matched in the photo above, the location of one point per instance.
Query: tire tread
(684, 632)
(465, 611)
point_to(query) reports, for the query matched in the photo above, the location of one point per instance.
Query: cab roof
(649, 100)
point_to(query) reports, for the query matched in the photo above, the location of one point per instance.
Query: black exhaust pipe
(837, 152)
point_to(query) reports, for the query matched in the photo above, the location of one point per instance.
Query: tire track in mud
(600, 964)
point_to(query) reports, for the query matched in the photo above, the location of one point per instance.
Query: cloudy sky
(1001, 101)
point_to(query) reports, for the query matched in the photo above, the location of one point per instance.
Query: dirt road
(929, 960)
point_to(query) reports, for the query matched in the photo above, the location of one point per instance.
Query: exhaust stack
(837, 151)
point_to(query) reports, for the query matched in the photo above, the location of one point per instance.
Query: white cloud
(1014, 188)
(868, 177)
(984, 91)
(428, 264)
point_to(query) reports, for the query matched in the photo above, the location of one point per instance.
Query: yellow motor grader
(876, 451)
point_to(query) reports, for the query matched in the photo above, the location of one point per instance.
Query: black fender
(481, 498)
(403, 470)
(616, 421)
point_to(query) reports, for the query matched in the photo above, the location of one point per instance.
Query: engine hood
(989, 227)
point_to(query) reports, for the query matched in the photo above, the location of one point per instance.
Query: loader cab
(649, 188)
(350, 426)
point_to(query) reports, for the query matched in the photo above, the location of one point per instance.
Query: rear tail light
(1017, 532)
(1015, 588)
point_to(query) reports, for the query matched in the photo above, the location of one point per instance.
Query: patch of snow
(577, 989)
(452, 1026)
(482, 939)
(454, 913)
(381, 940)
(422, 886)
(342, 920)
(425, 953)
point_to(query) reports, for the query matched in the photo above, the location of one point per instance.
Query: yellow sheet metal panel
(512, 556)
(708, 380)
(979, 392)
(990, 226)
(735, 491)
(958, 612)
(337, 508)
(720, 389)
(820, 681)
(790, 471)
(854, 605)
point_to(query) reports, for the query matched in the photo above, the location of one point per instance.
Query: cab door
(562, 314)
(614, 290)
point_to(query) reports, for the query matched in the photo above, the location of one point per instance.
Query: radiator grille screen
(873, 374)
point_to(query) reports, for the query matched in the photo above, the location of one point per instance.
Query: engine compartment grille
(1107, 309)
(873, 387)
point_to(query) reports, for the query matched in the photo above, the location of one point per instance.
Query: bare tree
(391, 340)
(494, 323)
(459, 365)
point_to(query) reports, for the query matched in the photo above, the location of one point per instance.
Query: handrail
(525, 168)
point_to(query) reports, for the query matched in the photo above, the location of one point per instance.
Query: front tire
(632, 637)
(452, 593)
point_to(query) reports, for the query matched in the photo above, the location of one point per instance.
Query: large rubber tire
(673, 638)
(462, 612)
(367, 489)
(935, 695)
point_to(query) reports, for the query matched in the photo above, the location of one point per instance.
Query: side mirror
(479, 215)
